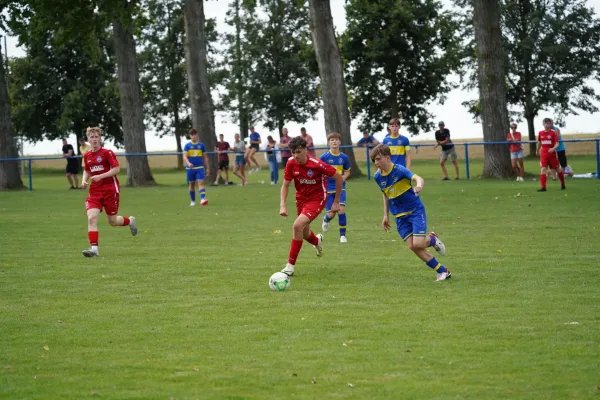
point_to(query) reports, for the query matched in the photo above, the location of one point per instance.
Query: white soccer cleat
(319, 247)
(442, 276)
(203, 202)
(343, 239)
(90, 253)
(133, 226)
(325, 226)
(288, 270)
(438, 245)
(192, 204)
(518, 179)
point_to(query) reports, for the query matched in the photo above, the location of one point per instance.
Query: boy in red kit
(546, 148)
(309, 176)
(102, 166)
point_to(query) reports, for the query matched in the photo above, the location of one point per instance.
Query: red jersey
(99, 162)
(223, 146)
(309, 178)
(548, 139)
(515, 147)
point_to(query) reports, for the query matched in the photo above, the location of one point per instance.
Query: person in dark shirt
(442, 137)
(72, 169)
(222, 147)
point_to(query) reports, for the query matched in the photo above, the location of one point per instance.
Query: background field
(183, 310)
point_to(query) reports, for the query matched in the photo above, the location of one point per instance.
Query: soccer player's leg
(191, 179)
(555, 165)
(543, 172)
(328, 215)
(301, 222)
(342, 218)
(111, 207)
(201, 189)
(312, 210)
(432, 240)
(93, 207)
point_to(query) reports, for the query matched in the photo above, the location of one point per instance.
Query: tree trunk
(203, 117)
(9, 170)
(177, 128)
(239, 64)
(492, 89)
(333, 88)
(132, 114)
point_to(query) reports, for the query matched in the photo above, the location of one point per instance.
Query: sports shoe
(343, 239)
(288, 270)
(446, 179)
(541, 190)
(192, 204)
(203, 202)
(319, 247)
(90, 253)
(518, 179)
(442, 276)
(133, 226)
(438, 245)
(325, 226)
(563, 187)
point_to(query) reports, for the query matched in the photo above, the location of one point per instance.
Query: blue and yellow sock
(193, 195)
(436, 266)
(202, 194)
(327, 219)
(342, 221)
(431, 240)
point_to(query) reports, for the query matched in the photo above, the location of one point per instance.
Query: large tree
(553, 54)
(399, 55)
(492, 86)
(203, 117)
(285, 88)
(331, 72)
(10, 177)
(138, 169)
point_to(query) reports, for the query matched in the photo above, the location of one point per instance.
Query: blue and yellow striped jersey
(399, 146)
(396, 184)
(195, 154)
(340, 162)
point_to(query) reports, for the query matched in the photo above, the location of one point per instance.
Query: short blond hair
(93, 129)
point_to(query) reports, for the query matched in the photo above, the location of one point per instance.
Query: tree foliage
(399, 54)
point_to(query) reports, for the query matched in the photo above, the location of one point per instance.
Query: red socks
(543, 178)
(125, 221)
(561, 176)
(294, 251)
(93, 238)
(313, 239)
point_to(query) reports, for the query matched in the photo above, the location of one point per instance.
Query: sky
(455, 116)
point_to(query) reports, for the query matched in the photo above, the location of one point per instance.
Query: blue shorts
(239, 160)
(331, 196)
(195, 175)
(413, 224)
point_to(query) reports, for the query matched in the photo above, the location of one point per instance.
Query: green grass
(183, 310)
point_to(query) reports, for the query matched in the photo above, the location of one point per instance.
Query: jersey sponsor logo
(296, 173)
(99, 159)
(96, 168)
(307, 181)
(309, 173)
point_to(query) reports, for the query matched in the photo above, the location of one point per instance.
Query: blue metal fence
(29, 160)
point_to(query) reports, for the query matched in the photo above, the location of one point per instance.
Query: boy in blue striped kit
(403, 201)
(197, 167)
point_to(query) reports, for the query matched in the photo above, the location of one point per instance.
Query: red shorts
(549, 159)
(311, 209)
(107, 200)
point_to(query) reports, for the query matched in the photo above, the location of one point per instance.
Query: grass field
(184, 311)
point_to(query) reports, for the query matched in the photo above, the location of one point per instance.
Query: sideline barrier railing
(29, 160)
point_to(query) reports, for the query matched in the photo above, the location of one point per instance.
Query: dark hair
(380, 149)
(270, 139)
(548, 120)
(193, 132)
(297, 143)
(303, 129)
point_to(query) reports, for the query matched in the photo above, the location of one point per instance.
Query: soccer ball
(278, 282)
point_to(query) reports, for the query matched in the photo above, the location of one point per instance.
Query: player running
(195, 158)
(308, 174)
(341, 163)
(546, 148)
(102, 166)
(403, 201)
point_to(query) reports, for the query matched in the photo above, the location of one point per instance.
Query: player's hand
(97, 178)
(435, 147)
(207, 172)
(418, 189)
(83, 184)
(283, 211)
(335, 207)
(537, 152)
(190, 165)
(550, 150)
(386, 223)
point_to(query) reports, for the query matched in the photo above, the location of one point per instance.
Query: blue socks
(193, 195)
(202, 194)
(342, 221)
(436, 266)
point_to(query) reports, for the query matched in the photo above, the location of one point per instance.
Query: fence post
(597, 158)
(30, 177)
(467, 161)
(368, 163)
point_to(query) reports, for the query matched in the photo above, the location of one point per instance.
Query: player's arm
(374, 142)
(185, 159)
(408, 157)
(285, 189)
(553, 148)
(386, 213)
(419, 183)
(345, 175)
(206, 164)
(538, 146)
(84, 179)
